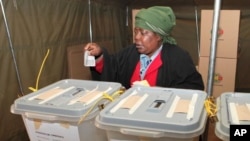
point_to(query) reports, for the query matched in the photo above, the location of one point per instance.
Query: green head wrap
(159, 19)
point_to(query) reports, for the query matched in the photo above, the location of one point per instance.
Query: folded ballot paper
(89, 60)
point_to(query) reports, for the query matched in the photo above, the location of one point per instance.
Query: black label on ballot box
(239, 132)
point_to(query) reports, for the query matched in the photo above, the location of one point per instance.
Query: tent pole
(197, 28)
(12, 49)
(216, 16)
(90, 24)
(212, 58)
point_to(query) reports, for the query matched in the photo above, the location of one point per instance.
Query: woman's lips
(138, 46)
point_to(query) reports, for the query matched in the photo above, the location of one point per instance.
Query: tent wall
(36, 26)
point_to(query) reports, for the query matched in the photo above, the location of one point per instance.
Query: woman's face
(146, 41)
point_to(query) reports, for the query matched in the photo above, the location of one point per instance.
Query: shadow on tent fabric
(76, 69)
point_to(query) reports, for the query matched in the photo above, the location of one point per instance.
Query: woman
(153, 57)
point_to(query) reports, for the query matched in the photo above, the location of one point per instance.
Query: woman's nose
(137, 36)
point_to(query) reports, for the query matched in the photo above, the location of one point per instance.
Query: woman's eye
(144, 32)
(141, 32)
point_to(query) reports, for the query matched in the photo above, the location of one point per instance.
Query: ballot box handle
(144, 133)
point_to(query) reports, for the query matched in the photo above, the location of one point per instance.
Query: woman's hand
(94, 49)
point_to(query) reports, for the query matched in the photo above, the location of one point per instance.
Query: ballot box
(154, 114)
(65, 110)
(233, 109)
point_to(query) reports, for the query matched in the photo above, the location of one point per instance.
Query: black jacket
(177, 70)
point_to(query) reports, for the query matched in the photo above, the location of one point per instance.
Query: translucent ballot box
(233, 109)
(155, 114)
(65, 110)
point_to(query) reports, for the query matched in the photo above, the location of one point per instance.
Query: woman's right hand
(94, 49)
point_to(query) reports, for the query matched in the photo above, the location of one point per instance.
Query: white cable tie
(137, 104)
(34, 97)
(248, 106)
(55, 95)
(173, 106)
(114, 109)
(190, 113)
(234, 115)
(98, 96)
(73, 101)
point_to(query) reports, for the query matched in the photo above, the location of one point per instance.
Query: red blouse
(150, 75)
